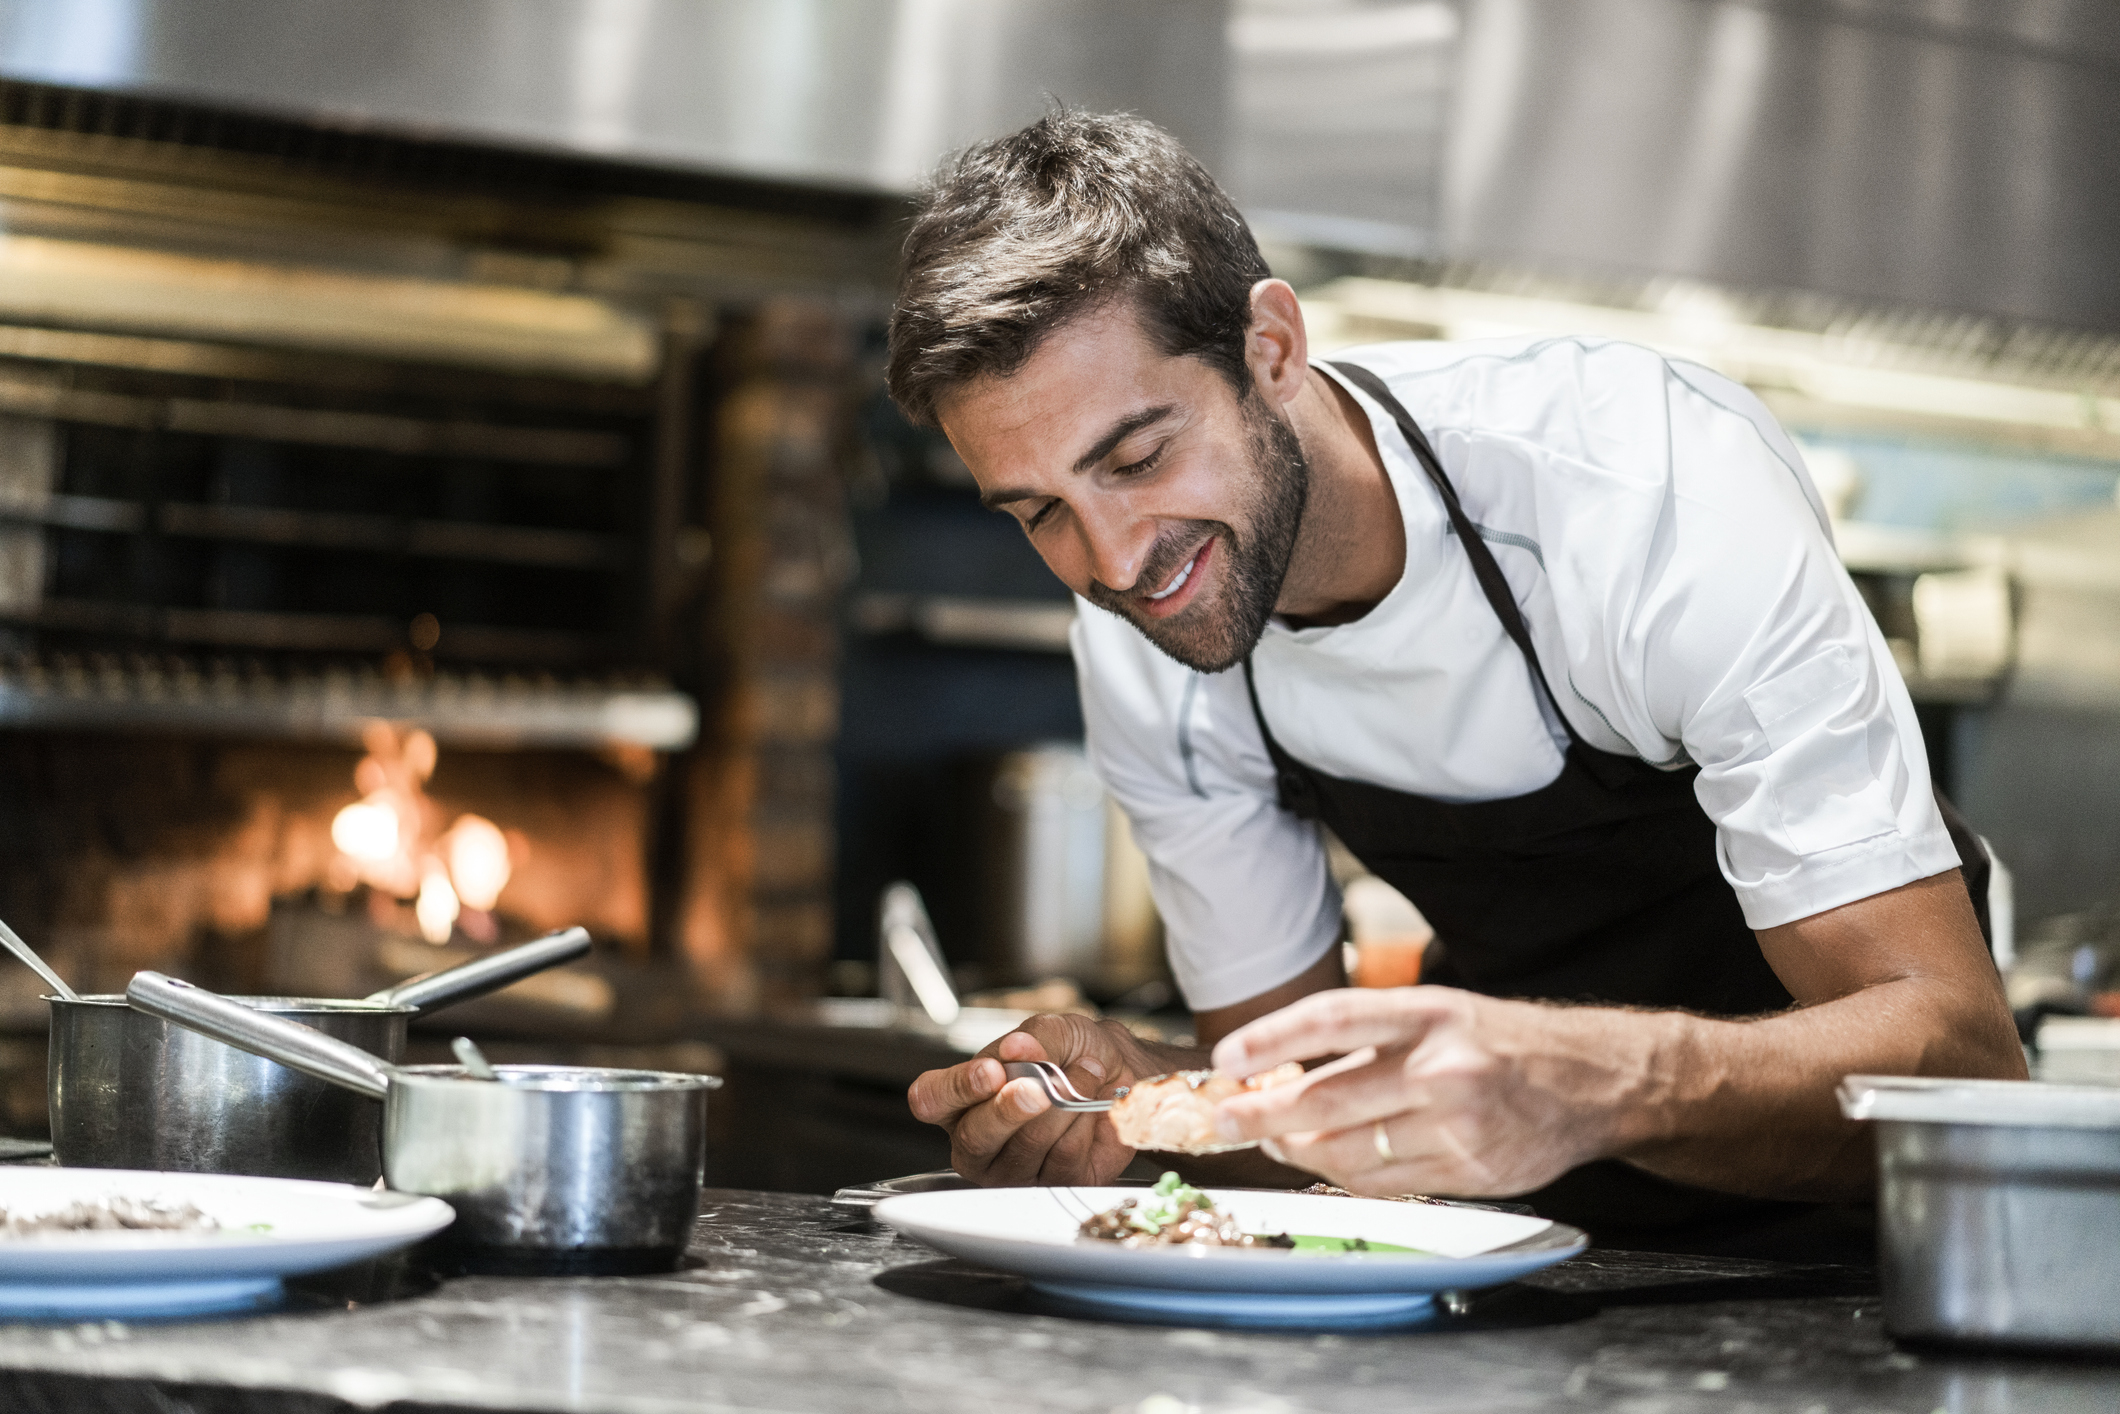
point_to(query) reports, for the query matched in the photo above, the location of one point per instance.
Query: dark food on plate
(1175, 1114)
(1174, 1214)
(112, 1214)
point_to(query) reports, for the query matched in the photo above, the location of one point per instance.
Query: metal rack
(108, 692)
(357, 506)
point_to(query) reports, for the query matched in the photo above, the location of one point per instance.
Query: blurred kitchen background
(446, 490)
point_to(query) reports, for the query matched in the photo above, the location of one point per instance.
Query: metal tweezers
(1058, 1088)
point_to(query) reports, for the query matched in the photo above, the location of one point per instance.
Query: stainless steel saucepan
(570, 1169)
(130, 1091)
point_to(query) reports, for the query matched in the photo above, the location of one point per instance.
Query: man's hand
(1484, 1097)
(1475, 1097)
(1007, 1132)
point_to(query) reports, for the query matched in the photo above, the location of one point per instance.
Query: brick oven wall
(756, 920)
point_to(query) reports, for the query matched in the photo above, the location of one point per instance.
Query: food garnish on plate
(1175, 1114)
(1176, 1214)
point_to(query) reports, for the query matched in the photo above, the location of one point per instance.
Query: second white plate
(1033, 1232)
(269, 1228)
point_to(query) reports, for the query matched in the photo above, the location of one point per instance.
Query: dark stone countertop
(791, 1305)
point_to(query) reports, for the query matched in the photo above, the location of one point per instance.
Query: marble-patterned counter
(792, 1306)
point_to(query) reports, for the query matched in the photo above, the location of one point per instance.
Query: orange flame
(390, 839)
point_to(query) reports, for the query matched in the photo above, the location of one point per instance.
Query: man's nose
(1117, 547)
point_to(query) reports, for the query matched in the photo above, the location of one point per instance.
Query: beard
(1215, 633)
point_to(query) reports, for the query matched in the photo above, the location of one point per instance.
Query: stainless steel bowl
(551, 1169)
(131, 1091)
(1998, 1208)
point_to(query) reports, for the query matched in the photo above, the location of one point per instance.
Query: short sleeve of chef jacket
(1671, 558)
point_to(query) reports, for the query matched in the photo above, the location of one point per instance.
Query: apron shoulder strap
(1484, 569)
(1293, 789)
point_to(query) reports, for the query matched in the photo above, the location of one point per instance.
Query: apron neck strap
(1484, 568)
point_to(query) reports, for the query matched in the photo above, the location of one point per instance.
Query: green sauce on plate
(1304, 1242)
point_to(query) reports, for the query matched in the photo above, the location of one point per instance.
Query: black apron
(1602, 886)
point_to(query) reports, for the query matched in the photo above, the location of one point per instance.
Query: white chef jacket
(1678, 575)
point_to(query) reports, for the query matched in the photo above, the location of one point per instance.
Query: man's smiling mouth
(1177, 581)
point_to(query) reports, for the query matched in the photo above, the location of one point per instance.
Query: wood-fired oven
(407, 546)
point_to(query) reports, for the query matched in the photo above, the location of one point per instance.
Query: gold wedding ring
(1383, 1143)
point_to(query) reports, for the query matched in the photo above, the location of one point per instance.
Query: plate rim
(88, 1260)
(1325, 1272)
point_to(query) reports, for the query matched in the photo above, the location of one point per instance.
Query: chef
(1550, 632)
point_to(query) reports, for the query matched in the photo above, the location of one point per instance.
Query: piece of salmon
(1175, 1114)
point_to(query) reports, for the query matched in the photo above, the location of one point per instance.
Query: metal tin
(131, 1091)
(572, 1169)
(553, 1168)
(1998, 1206)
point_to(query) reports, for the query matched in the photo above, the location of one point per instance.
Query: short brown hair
(1020, 234)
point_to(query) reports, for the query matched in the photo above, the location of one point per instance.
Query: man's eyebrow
(1124, 428)
(1119, 431)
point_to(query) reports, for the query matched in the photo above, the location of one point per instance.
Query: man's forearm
(1747, 1106)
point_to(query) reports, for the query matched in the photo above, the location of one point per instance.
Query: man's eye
(1147, 463)
(1043, 511)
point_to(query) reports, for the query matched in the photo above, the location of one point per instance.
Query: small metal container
(1998, 1208)
(551, 1169)
(131, 1091)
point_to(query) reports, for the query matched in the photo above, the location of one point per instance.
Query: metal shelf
(329, 530)
(265, 631)
(108, 693)
(367, 431)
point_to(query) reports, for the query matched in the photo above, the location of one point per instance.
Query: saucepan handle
(290, 1043)
(431, 991)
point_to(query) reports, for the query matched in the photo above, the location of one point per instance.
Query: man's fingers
(1068, 1160)
(1330, 1023)
(1076, 1044)
(939, 1096)
(1338, 1098)
(1424, 1158)
(982, 1130)
(1022, 1044)
(1028, 1152)
(1006, 1131)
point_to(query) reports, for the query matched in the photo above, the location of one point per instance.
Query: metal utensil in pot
(558, 1169)
(128, 1090)
(27, 955)
(1998, 1204)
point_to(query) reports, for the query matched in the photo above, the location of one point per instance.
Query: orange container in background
(1389, 962)
(1390, 936)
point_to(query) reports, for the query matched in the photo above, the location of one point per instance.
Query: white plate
(1032, 1232)
(270, 1228)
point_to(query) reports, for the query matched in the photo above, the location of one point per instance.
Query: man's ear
(1276, 350)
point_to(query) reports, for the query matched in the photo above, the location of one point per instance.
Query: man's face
(1149, 487)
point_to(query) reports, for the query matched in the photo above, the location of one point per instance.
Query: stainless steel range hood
(862, 93)
(1929, 153)
(1934, 153)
